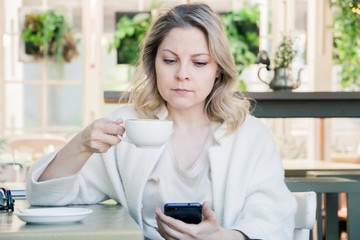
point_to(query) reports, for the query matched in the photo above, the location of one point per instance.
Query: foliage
(241, 27)
(346, 29)
(284, 54)
(130, 32)
(242, 31)
(47, 34)
(128, 36)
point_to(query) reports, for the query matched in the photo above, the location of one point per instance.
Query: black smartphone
(186, 212)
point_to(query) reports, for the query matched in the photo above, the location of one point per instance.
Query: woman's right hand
(98, 137)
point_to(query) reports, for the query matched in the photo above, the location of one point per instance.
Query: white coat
(249, 193)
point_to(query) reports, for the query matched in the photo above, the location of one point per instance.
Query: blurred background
(47, 94)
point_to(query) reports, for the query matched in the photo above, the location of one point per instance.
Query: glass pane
(300, 30)
(33, 70)
(14, 108)
(76, 18)
(301, 15)
(291, 136)
(117, 87)
(72, 71)
(345, 142)
(108, 59)
(64, 105)
(32, 105)
(108, 108)
(22, 106)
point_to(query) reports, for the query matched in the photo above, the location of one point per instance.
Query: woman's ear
(217, 74)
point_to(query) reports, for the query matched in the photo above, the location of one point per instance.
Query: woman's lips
(182, 90)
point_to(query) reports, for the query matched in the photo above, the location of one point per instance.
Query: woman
(218, 154)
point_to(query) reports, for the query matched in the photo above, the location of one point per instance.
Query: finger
(167, 231)
(160, 228)
(169, 228)
(119, 121)
(168, 220)
(110, 139)
(208, 214)
(100, 142)
(113, 128)
(99, 136)
(108, 126)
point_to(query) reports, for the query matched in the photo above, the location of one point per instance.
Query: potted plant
(47, 35)
(284, 55)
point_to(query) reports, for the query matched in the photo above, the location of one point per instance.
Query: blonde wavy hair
(221, 105)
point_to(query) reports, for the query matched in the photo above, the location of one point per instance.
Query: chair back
(35, 146)
(305, 214)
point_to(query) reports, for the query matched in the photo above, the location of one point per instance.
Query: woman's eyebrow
(193, 55)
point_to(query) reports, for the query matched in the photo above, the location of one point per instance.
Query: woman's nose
(183, 72)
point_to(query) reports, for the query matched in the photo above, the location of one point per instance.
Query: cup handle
(124, 138)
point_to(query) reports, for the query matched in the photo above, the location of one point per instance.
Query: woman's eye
(200, 64)
(169, 61)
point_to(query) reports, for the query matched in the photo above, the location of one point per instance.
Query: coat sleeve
(90, 185)
(97, 180)
(268, 209)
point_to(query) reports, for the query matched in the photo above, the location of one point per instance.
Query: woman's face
(185, 71)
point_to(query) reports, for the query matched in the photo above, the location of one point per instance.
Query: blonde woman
(218, 154)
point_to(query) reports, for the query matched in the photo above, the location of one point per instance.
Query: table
(355, 175)
(331, 187)
(108, 221)
(299, 168)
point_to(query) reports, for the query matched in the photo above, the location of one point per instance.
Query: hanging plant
(48, 35)
(128, 36)
(130, 32)
(346, 29)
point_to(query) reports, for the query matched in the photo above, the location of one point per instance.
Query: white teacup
(147, 133)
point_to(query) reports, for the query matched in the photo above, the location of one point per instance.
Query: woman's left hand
(171, 228)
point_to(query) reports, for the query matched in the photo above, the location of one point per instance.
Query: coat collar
(219, 130)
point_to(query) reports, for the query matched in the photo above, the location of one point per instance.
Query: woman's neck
(188, 118)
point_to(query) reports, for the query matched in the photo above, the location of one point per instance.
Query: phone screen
(186, 212)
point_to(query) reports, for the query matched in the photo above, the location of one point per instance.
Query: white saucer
(53, 215)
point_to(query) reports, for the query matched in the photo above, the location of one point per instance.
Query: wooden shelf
(290, 104)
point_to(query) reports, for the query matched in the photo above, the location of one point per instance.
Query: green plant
(47, 34)
(284, 54)
(241, 28)
(346, 29)
(130, 32)
(128, 35)
(243, 34)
